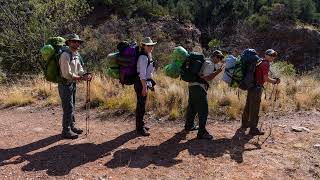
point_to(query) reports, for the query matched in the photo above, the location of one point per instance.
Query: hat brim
(79, 40)
(61, 44)
(220, 56)
(149, 44)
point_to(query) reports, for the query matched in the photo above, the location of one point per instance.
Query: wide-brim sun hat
(218, 54)
(148, 42)
(271, 52)
(73, 37)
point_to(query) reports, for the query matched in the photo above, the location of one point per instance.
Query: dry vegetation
(171, 96)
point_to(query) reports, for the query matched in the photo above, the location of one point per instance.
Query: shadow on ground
(165, 154)
(61, 159)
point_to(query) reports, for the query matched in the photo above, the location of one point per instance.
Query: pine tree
(171, 6)
(182, 11)
(294, 8)
(308, 10)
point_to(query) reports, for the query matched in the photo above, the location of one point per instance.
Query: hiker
(250, 116)
(198, 101)
(71, 69)
(145, 68)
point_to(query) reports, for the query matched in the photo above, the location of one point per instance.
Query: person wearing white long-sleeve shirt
(71, 71)
(145, 68)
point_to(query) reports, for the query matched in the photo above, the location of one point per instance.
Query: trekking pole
(87, 107)
(272, 92)
(238, 94)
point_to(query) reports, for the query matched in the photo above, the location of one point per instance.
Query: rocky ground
(31, 148)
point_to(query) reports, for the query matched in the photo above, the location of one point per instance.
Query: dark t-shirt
(262, 72)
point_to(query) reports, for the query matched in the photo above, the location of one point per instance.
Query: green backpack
(51, 53)
(191, 67)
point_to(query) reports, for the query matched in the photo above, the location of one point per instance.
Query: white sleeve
(80, 68)
(65, 66)
(142, 65)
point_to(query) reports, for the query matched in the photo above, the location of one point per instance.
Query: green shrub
(260, 21)
(215, 43)
(283, 68)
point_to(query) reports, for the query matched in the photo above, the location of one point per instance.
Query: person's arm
(273, 80)
(266, 76)
(142, 65)
(66, 69)
(213, 75)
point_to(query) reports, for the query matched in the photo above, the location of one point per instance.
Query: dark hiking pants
(67, 95)
(197, 104)
(141, 105)
(250, 116)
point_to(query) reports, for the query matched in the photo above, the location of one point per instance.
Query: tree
(294, 8)
(25, 25)
(182, 11)
(308, 9)
(171, 6)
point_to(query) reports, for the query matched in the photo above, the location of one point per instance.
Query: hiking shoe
(193, 128)
(147, 128)
(241, 130)
(143, 132)
(205, 135)
(255, 132)
(69, 135)
(77, 130)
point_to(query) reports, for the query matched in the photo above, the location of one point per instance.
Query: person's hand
(144, 92)
(87, 77)
(220, 68)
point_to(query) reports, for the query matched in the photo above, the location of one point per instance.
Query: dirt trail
(31, 148)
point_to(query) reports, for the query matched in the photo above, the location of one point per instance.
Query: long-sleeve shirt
(262, 72)
(145, 71)
(70, 69)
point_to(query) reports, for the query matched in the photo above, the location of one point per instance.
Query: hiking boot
(77, 130)
(69, 135)
(143, 132)
(205, 135)
(147, 128)
(242, 130)
(255, 132)
(193, 128)
(243, 127)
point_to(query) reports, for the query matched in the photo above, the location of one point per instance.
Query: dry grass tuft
(171, 95)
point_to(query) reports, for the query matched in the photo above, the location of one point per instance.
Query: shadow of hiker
(238, 142)
(160, 155)
(6, 154)
(60, 160)
(166, 152)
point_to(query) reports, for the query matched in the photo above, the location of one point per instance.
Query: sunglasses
(79, 42)
(272, 55)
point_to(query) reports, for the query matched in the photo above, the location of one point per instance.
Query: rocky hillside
(297, 44)
(103, 38)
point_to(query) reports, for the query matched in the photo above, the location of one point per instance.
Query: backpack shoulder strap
(142, 53)
(65, 49)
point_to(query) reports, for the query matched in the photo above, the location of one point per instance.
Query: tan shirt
(70, 69)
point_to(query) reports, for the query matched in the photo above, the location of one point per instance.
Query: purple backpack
(128, 72)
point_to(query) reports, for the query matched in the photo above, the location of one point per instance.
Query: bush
(3, 76)
(260, 21)
(215, 43)
(282, 68)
